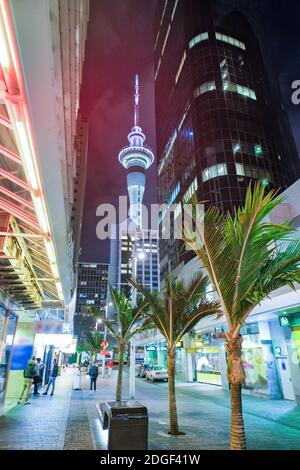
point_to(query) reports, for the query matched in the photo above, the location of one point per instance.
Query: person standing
(52, 377)
(110, 366)
(77, 379)
(93, 373)
(38, 378)
(29, 373)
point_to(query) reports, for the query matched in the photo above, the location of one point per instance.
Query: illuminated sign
(289, 320)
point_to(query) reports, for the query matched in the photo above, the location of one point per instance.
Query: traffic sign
(104, 344)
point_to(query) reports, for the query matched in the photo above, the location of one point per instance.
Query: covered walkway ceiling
(28, 261)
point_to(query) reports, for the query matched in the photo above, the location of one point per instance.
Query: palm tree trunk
(237, 428)
(236, 377)
(172, 397)
(120, 375)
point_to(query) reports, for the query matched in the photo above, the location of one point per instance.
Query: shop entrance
(8, 324)
(285, 378)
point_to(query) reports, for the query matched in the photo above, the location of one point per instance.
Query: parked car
(157, 373)
(144, 368)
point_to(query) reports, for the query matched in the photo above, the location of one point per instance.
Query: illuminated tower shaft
(136, 159)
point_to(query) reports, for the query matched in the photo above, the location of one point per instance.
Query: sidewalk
(69, 419)
(42, 424)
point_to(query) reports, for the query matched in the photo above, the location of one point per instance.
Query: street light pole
(132, 342)
(105, 335)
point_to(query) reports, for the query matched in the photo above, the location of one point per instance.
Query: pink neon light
(18, 72)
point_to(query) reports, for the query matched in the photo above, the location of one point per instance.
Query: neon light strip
(28, 162)
(10, 155)
(4, 56)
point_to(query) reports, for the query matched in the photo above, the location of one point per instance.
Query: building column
(269, 360)
(223, 368)
(293, 355)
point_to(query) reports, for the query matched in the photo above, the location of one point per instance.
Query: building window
(174, 194)
(207, 86)
(230, 40)
(163, 13)
(157, 69)
(180, 67)
(190, 191)
(236, 148)
(214, 171)
(253, 172)
(174, 10)
(166, 39)
(199, 38)
(258, 150)
(239, 169)
(241, 90)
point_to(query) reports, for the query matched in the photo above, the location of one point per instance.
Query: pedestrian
(93, 373)
(77, 379)
(38, 378)
(110, 366)
(52, 377)
(29, 373)
(41, 368)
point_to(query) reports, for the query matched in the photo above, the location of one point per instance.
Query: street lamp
(140, 255)
(105, 336)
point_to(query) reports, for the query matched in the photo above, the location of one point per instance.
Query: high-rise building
(92, 283)
(220, 122)
(91, 286)
(81, 145)
(138, 256)
(146, 259)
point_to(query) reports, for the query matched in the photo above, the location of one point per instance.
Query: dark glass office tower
(219, 116)
(92, 285)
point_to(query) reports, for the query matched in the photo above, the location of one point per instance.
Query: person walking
(110, 366)
(29, 373)
(38, 378)
(93, 373)
(52, 377)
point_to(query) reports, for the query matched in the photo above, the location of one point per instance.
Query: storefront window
(208, 365)
(254, 365)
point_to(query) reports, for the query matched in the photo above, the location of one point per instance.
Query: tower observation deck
(136, 158)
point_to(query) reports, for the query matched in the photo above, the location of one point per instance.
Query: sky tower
(136, 158)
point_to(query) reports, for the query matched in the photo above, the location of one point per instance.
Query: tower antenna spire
(136, 101)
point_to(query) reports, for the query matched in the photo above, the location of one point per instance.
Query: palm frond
(177, 309)
(237, 249)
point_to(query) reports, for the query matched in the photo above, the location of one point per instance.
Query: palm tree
(129, 321)
(247, 258)
(175, 312)
(92, 344)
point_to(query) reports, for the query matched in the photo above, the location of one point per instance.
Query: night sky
(119, 45)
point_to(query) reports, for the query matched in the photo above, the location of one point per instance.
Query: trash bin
(127, 424)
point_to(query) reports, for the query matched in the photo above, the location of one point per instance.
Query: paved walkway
(68, 420)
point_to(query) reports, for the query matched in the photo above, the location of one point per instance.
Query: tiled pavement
(68, 420)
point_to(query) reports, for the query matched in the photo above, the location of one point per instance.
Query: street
(69, 420)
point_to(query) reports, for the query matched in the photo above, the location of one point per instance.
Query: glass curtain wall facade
(219, 114)
(92, 284)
